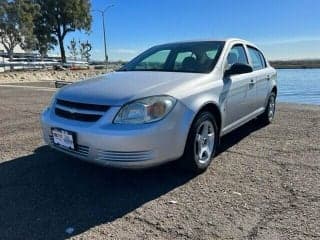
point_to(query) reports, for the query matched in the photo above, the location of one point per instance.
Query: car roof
(226, 40)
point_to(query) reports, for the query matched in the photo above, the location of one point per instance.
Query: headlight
(145, 110)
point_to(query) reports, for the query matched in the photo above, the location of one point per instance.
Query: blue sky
(284, 29)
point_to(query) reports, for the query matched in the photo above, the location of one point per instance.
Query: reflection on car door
(241, 95)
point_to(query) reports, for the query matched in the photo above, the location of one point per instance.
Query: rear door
(261, 75)
(241, 92)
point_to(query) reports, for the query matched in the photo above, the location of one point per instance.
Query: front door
(240, 89)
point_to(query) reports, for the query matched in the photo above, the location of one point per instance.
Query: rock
(237, 193)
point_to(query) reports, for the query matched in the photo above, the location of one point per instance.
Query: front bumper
(124, 146)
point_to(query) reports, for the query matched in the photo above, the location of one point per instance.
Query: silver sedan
(172, 102)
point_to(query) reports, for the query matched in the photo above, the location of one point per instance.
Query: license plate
(63, 138)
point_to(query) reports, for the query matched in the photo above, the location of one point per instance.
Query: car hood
(117, 88)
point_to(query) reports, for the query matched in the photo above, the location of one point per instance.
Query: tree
(85, 49)
(27, 12)
(63, 16)
(73, 49)
(16, 24)
(45, 41)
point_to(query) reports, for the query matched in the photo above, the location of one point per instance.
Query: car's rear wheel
(201, 144)
(268, 115)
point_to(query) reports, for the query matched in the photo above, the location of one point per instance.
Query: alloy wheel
(271, 107)
(204, 142)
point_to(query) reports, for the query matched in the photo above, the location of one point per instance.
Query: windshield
(195, 57)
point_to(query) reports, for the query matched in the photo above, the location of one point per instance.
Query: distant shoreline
(296, 64)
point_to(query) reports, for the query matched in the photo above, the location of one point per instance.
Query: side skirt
(242, 121)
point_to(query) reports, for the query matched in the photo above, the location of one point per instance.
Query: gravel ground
(50, 75)
(264, 184)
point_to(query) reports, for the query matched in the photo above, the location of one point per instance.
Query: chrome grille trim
(82, 111)
(86, 106)
(80, 150)
(79, 111)
(124, 156)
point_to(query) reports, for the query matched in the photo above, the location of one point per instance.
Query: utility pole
(104, 31)
(104, 40)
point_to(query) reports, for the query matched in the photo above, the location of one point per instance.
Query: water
(299, 86)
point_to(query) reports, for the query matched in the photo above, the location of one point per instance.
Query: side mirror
(238, 68)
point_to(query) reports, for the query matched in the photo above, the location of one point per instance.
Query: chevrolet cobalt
(172, 102)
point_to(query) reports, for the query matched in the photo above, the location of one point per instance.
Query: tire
(200, 142)
(268, 116)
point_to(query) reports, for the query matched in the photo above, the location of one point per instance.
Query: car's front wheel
(201, 144)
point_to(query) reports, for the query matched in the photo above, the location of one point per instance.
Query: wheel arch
(214, 110)
(274, 89)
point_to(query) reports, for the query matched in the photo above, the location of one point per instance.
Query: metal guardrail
(28, 64)
(21, 65)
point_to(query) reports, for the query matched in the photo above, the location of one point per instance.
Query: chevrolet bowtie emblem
(72, 110)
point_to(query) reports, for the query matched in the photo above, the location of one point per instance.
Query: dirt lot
(264, 184)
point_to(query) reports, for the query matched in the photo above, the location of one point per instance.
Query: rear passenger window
(257, 59)
(237, 54)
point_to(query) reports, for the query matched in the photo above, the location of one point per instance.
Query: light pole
(104, 31)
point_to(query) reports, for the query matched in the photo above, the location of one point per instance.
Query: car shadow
(237, 135)
(47, 192)
(43, 194)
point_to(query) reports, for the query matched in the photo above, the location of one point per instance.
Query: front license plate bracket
(64, 138)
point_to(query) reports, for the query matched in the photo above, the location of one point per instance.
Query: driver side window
(154, 61)
(237, 54)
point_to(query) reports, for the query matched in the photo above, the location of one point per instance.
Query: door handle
(252, 82)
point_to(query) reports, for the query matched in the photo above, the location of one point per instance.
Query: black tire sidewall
(268, 108)
(189, 159)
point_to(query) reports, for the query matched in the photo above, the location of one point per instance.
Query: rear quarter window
(263, 59)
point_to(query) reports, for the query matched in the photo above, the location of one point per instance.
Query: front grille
(85, 106)
(80, 149)
(77, 116)
(124, 156)
(79, 111)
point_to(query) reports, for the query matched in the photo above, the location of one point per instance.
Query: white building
(17, 49)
